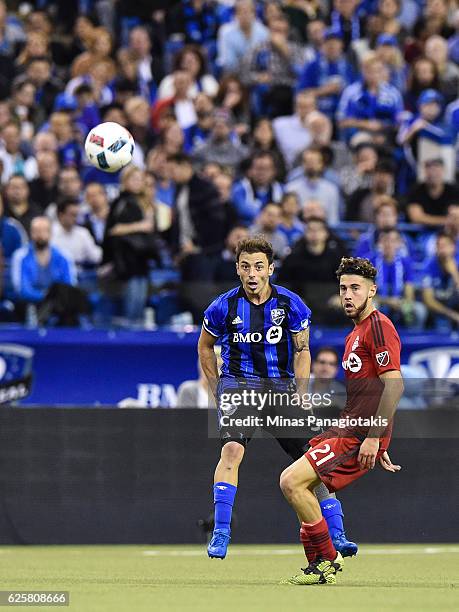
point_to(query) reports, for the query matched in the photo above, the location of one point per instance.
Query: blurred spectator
(38, 267)
(172, 139)
(267, 223)
(198, 226)
(310, 269)
(100, 48)
(13, 156)
(270, 68)
(43, 189)
(290, 224)
(233, 96)
(24, 108)
(225, 270)
(223, 181)
(396, 293)
(71, 239)
(386, 217)
(324, 370)
(191, 60)
(300, 14)
(428, 202)
(158, 165)
(451, 228)
(423, 75)
(197, 21)
(18, 205)
(441, 284)
(180, 102)
(38, 71)
(328, 74)
(359, 174)
(344, 17)
(95, 219)
(312, 185)
(128, 245)
(263, 141)
(12, 234)
(434, 20)
(221, 147)
(238, 37)
(388, 52)
(436, 48)
(149, 70)
(137, 112)
(69, 184)
(371, 105)
(259, 187)
(198, 133)
(453, 41)
(68, 149)
(292, 133)
(363, 203)
(426, 124)
(389, 13)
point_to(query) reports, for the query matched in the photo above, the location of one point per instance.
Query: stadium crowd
(328, 126)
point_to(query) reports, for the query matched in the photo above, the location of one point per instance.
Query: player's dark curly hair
(256, 244)
(357, 265)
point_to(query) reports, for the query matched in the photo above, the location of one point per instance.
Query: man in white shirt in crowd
(291, 132)
(239, 36)
(312, 185)
(73, 240)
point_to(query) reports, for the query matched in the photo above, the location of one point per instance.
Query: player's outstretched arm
(208, 359)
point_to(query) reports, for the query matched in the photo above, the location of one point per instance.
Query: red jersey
(372, 348)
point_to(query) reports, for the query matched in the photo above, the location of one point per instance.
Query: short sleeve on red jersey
(383, 344)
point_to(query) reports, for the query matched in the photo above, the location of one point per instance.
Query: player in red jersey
(340, 455)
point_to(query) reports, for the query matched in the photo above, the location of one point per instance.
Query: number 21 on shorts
(322, 451)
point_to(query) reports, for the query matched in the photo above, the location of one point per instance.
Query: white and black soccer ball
(109, 146)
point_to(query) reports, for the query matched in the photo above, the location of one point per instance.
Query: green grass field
(179, 578)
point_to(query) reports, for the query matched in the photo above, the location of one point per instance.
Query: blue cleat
(342, 545)
(218, 544)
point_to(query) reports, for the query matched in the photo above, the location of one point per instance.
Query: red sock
(309, 549)
(320, 539)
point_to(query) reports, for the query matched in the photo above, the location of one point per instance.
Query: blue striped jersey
(256, 339)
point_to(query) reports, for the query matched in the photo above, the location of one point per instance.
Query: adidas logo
(237, 320)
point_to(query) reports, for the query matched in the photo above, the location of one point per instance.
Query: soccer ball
(109, 146)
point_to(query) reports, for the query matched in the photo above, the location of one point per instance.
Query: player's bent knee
(299, 476)
(232, 453)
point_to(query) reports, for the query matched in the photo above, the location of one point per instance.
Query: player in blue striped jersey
(264, 333)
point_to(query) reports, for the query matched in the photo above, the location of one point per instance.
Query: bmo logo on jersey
(273, 336)
(353, 363)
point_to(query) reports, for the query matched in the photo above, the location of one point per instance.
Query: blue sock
(333, 514)
(224, 494)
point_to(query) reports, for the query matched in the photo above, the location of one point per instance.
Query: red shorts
(335, 460)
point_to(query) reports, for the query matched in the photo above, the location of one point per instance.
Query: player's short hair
(256, 244)
(358, 266)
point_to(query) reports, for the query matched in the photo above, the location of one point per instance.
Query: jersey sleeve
(384, 346)
(214, 318)
(299, 315)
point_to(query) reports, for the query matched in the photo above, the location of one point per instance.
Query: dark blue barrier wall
(145, 476)
(96, 368)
